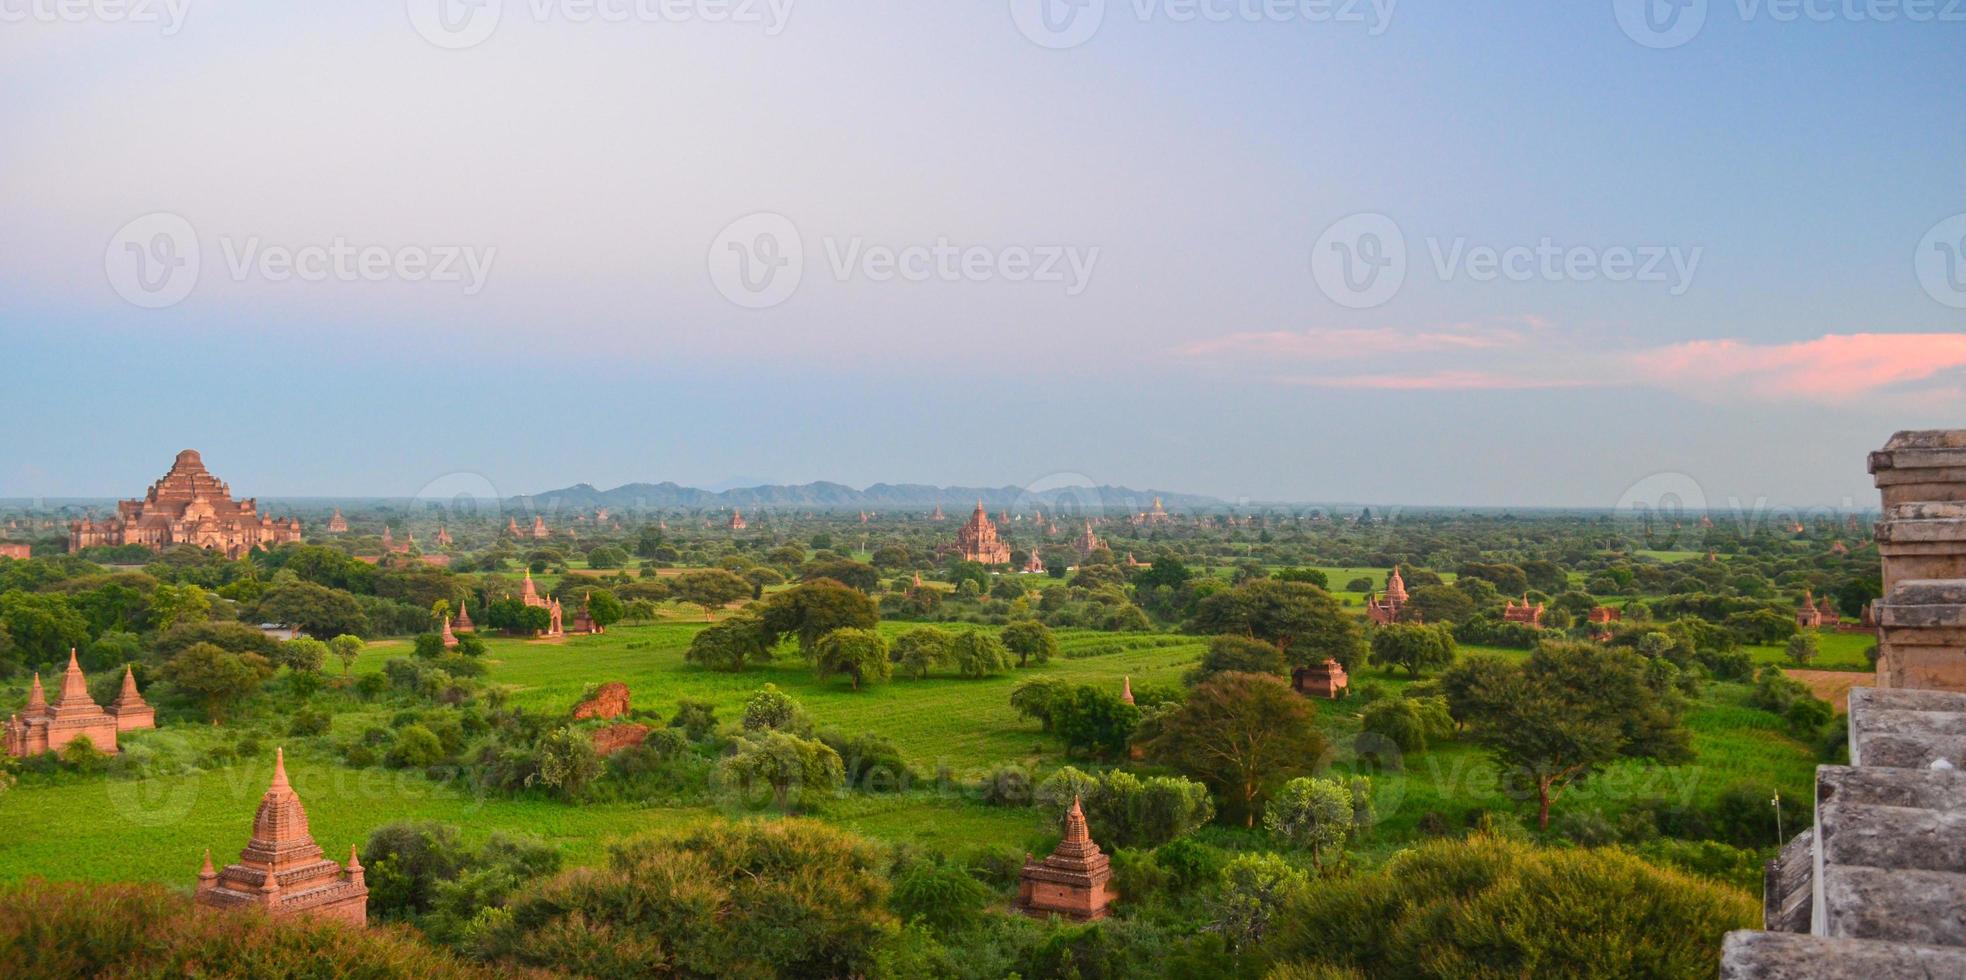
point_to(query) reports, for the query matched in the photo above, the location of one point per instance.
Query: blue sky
(1786, 175)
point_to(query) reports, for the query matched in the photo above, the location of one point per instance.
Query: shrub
(1007, 785)
(770, 709)
(942, 895)
(780, 898)
(61, 929)
(1436, 910)
(309, 721)
(696, 718)
(415, 747)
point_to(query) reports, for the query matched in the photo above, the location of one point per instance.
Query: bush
(941, 895)
(697, 719)
(415, 747)
(61, 929)
(780, 898)
(308, 721)
(1007, 785)
(1440, 909)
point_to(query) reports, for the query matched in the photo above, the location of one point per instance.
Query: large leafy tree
(319, 610)
(711, 589)
(814, 609)
(979, 654)
(731, 645)
(1567, 712)
(921, 649)
(1240, 734)
(1031, 641)
(861, 654)
(1299, 618)
(1412, 647)
(216, 678)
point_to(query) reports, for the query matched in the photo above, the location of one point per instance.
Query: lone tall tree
(1240, 734)
(1567, 712)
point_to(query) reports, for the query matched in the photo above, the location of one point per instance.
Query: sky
(1418, 252)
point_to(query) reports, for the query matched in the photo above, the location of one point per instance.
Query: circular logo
(1360, 261)
(1941, 262)
(152, 262)
(1668, 508)
(757, 260)
(460, 495)
(1058, 24)
(164, 798)
(455, 24)
(1661, 24)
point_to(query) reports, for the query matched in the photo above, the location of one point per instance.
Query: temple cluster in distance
(282, 870)
(48, 728)
(187, 506)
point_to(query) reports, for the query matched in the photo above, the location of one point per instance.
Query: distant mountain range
(954, 501)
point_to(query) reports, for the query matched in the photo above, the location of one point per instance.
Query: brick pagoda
(977, 540)
(1523, 613)
(282, 870)
(1325, 680)
(1072, 881)
(529, 594)
(1385, 608)
(187, 506)
(42, 727)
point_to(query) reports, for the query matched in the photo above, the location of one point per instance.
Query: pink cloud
(1834, 367)
(1447, 381)
(1325, 343)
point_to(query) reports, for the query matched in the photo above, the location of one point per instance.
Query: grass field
(156, 829)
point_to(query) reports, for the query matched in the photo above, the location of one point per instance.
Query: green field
(157, 828)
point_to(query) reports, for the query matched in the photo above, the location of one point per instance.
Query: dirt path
(1834, 685)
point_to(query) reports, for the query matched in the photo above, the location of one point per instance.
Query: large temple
(529, 594)
(977, 540)
(188, 506)
(42, 727)
(282, 870)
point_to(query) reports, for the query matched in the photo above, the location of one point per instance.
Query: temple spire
(279, 770)
(1075, 829)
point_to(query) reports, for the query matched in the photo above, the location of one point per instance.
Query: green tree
(711, 589)
(604, 607)
(798, 772)
(567, 762)
(1239, 734)
(1240, 654)
(1802, 648)
(303, 655)
(861, 654)
(922, 649)
(1570, 710)
(1299, 618)
(732, 645)
(1255, 890)
(1312, 813)
(174, 604)
(980, 654)
(346, 648)
(1412, 647)
(317, 609)
(770, 709)
(1031, 641)
(814, 609)
(217, 679)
